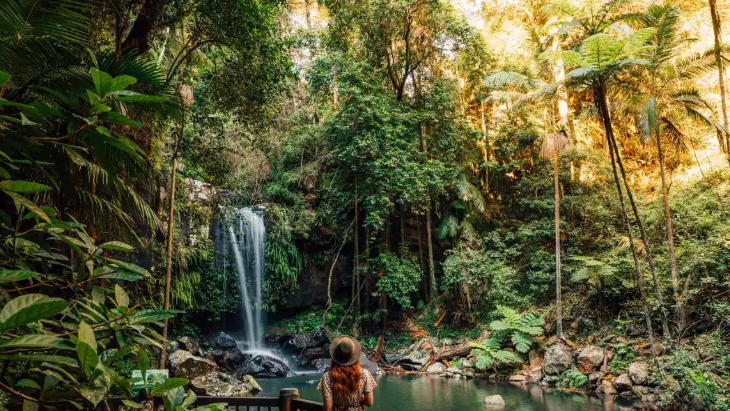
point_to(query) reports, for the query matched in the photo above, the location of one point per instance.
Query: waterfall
(247, 243)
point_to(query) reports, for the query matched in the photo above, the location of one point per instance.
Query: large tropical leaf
(37, 341)
(29, 308)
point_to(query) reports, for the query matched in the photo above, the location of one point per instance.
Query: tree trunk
(171, 222)
(558, 285)
(431, 271)
(485, 150)
(138, 36)
(600, 94)
(670, 236)
(647, 246)
(717, 35)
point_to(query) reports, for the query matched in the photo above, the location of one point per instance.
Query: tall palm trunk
(717, 36)
(647, 246)
(602, 103)
(670, 236)
(431, 271)
(558, 279)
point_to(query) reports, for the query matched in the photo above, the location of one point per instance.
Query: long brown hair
(345, 378)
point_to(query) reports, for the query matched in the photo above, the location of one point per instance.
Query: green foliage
(519, 328)
(686, 383)
(623, 355)
(399, 279)
(489, 353)
(572, 379)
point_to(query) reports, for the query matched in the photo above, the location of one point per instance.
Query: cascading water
(247, 239)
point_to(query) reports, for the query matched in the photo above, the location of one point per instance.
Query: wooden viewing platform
(288, 400)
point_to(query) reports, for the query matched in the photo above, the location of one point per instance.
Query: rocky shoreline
(217, 367)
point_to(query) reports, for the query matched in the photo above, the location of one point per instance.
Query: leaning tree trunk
(649, 256)
(670, 237)
(717, 35)
(600, 94)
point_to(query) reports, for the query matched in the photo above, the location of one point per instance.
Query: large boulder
(310, 354)
(321, 364)
(218, 384)
(623, 383)
(436, 368)
(366, 364)
(265, 366)
(188, 344)
(417, 355)
(494, 401)
(639, 372)
(558, 358)
(229, 360)
(606, 388)
(294, 343)
(223, 341)
(183, 364)
(590, 358)
(319, 338)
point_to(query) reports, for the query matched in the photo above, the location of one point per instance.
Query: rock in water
(186, 365)
(366, 364)
(294, 344)
(218, 384)
(639, 372)
(417, 356)
(228, 360)
(606, 388)
(623, 383)
(320, 338)
(558, 358)
(261, 365)
(310, 354)
(224, 341)
(590, 358)
(321, 364)
(188, 344)
(436, 367)
(494, 401)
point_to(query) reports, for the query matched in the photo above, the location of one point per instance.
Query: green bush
(687, 384)
(572, 379)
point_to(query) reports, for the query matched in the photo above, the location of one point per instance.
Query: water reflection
(428, 393)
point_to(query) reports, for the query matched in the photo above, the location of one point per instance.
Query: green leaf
(29, 308)
(140, 98)
(121, 119)
(124, 276)
(26, 383)
(102, 81)
(121, 296)
(122, 82)
(117, 246)
(86, 335)
(93, 394)
(129, 267)
(147, 316)
(499, 325)
(98, 295)
(23, 186)
(168, 385)
(88, 358)
(143, 362)
(21, 201)
(8, 276)
(37, 341)
(4, 77)
(54, 359)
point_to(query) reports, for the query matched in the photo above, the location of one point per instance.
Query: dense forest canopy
(449, 167)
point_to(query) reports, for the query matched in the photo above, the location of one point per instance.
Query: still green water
(431, 393)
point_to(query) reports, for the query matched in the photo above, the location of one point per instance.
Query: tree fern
(520, 328)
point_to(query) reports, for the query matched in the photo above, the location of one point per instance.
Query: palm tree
(663, 106)
(551, 145)
(598, 62)
(717, 37)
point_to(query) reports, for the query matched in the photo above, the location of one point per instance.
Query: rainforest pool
(432, 393)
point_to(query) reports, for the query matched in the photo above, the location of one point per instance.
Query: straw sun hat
(345, 350)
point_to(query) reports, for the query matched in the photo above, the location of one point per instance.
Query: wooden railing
(288, 400)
